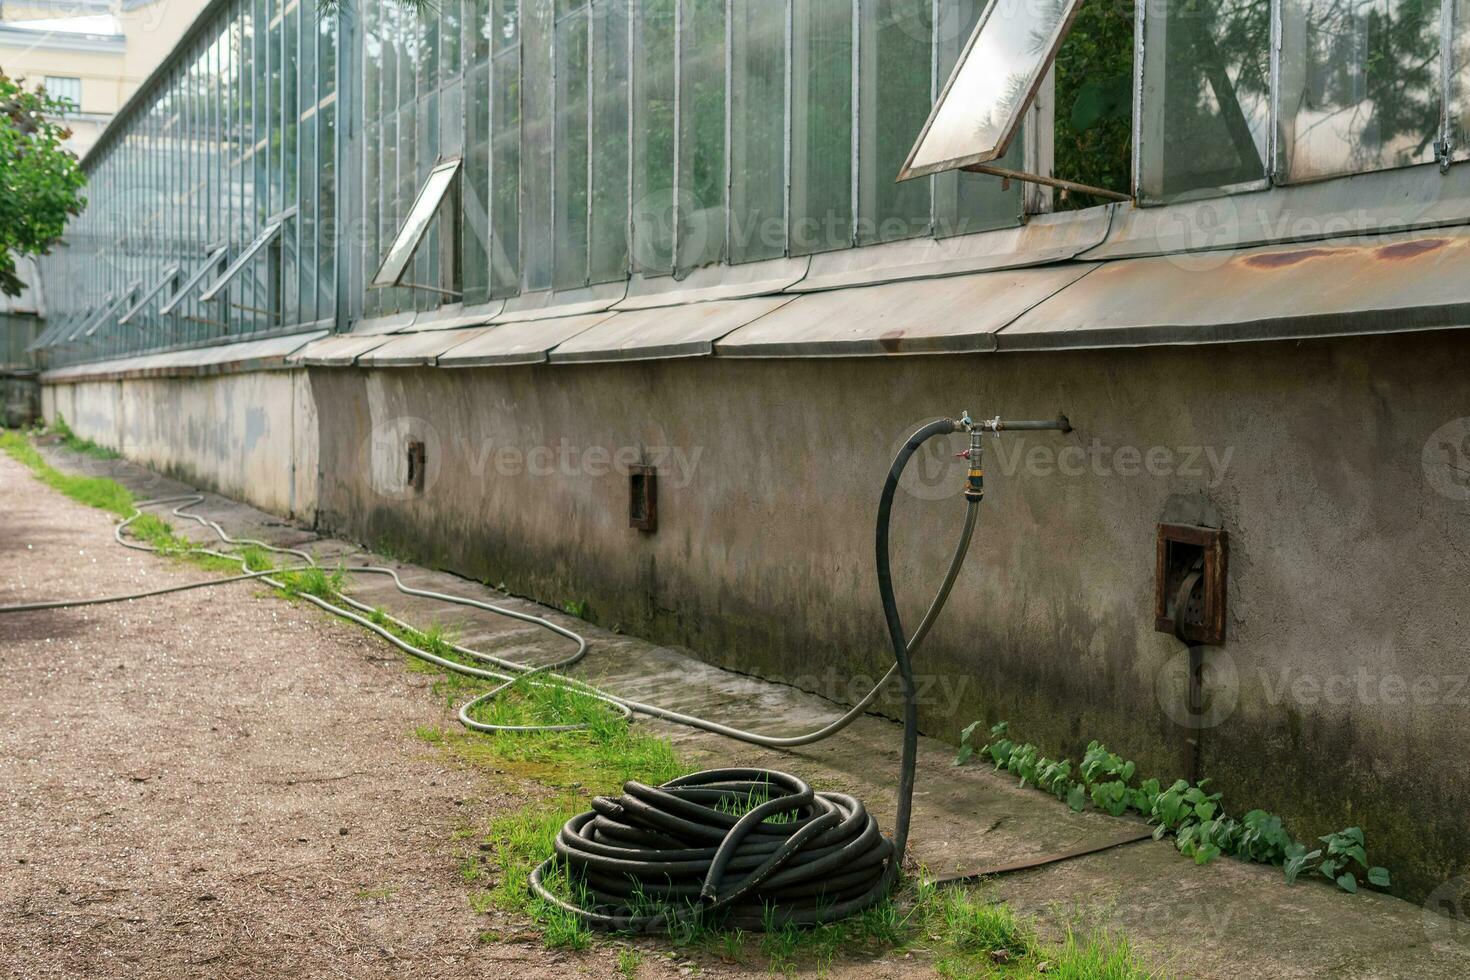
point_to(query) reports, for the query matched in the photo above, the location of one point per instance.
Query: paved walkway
(91, 750)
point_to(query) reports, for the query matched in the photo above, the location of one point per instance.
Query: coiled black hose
(656, 856)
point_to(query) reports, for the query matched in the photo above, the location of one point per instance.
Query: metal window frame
(210, 262)
(1013, 125)
(171, 274)
(109, 308)
(406, 234)
(267, 236)
(53, 331)
(94, 314)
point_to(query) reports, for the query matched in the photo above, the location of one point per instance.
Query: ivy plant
(1194, 815)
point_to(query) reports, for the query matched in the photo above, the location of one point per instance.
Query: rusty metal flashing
(1377, 285)
(958, 314)
(527, 342)
(269, 354)
(338, 350)
(1374, 284)
(418, 349)
(690, 330)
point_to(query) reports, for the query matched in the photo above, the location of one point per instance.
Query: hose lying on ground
(656, 856)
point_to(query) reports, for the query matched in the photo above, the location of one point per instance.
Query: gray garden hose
(509, 671)
(659, 855)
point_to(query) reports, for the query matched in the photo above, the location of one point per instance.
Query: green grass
(77, 444)
(99, 492)
(966, 935)
(628, 961)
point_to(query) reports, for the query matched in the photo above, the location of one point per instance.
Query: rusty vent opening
(643, 498)
(1186, 551)
(416, 466)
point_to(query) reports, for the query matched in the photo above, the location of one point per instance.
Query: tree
(40, 181)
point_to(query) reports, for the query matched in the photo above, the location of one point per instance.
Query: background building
(94, 52)
(319, 248)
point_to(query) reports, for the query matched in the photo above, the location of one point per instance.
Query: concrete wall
(1339, 698)
(252, 436)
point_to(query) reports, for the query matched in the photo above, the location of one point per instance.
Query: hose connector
(975, 479)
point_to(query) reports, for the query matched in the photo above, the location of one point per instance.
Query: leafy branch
(40, 180)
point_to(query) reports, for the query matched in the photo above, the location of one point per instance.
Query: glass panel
(536, 145)
(328, 232)
(980, 110)
(290, 165)
(405, 31)
(967, 203)
(1360, 85)
(478, 25)
(701, 197)
(570, 229)
(653, 137)
(426, 262)
(609, 89)
(387, 188)
(895, 38)
(505, 150)
(821, 126)
(327, 213)
(475, 190)
(450, 32)
(758, 132)
(407, 186)
(374, 143)
(1459, 94)
(1206, 97)
(425, 206)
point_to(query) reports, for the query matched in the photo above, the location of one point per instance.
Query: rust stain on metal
(891, 341)
(1282, 260)
(1411, 249)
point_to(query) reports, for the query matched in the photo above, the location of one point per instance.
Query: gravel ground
(221, 783)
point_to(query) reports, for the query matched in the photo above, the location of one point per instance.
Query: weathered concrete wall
(252, 435)
(1338, 699)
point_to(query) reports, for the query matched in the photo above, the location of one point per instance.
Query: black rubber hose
(909, 760)
(658, 856)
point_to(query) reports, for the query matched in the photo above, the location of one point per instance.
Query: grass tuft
(99, 492)
(77, 444)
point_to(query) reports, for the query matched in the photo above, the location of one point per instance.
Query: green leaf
(1378, 876)
(1357, 853)
(964, 755)
(1077, 798)
(1204, 811)
(1328, 868)
(1099, 101)
(1347, 883)
(968, 731)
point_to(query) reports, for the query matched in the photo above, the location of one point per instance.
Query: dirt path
(195, 786)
